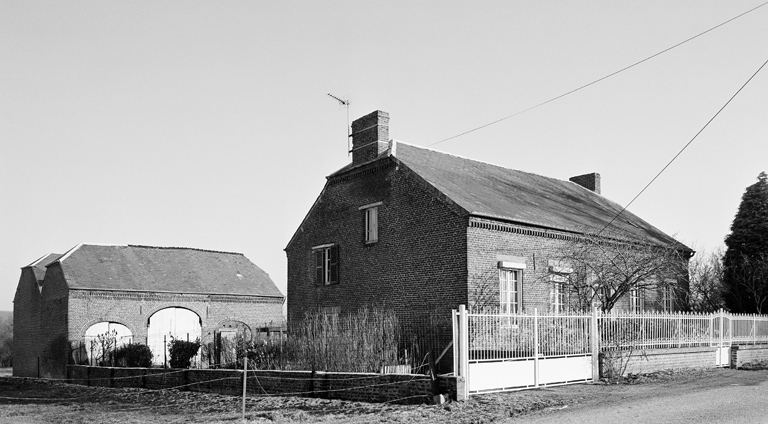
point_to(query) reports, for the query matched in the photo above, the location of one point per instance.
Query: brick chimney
(588, 181)
(370, 136)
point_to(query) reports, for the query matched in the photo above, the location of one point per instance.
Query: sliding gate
(501, 352)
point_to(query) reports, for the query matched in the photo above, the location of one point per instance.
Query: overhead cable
(599, 79)
(684, 147)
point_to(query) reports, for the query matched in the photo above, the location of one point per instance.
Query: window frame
(370, 222)
(559, 298)
(637, 300)
(668, 298)
(510, 301)
(326, 260)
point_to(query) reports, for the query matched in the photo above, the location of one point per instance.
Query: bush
(182, 352)
(133, 355)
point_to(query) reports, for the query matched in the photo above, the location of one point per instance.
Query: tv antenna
(349, 135)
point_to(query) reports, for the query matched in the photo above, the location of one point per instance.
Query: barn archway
(102, 338)
(167, 324)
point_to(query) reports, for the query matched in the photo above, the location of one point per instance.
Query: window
(558, 300)
(636, 300)
(510, 293)
(326, 264)
(371, 222)
(667, 299)
(560, 274)
(372, 225)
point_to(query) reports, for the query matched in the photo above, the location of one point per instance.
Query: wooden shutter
(334, 264)
(319, 274)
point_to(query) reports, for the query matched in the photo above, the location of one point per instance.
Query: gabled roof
(38, 266)
(492, 191)
(164, 269)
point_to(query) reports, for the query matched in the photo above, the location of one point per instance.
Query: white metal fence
(489, 346)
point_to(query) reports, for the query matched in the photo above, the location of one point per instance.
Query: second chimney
(588, 181)
(370, 136)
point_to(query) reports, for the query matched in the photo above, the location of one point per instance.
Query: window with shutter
(371, 228)
(326, 264)
(319, 273)
(333, 265)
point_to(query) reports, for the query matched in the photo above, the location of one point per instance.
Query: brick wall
(418, 264)
(26, 325)
(65, 315)
(749, 356)
(652, 360)
(54, 343)
(489, 242)
(88, 307)
(402, 388)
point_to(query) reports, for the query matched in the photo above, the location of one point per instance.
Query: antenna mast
(349, 135)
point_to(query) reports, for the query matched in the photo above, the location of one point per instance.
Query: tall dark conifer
(746, 258)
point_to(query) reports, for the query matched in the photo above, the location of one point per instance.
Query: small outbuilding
(137, 294)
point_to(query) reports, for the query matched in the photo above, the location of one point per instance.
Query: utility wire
(599, 79)
(684, 147)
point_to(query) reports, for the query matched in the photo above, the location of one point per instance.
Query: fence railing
(493, 336)
(651, 330)
(498, 336)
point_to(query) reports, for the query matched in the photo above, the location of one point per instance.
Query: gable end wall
(418, 265)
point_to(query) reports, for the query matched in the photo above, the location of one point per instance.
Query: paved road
(735, 403)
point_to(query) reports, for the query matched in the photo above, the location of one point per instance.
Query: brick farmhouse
(60, 297)
(420, 230)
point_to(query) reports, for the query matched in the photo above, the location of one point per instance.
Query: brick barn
(140, 293)
(420, 230)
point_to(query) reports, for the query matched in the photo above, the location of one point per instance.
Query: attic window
(371, 232)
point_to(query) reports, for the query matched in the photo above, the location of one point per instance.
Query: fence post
(536, 347)
(455, 328)
(464, 348)
(245, 378)
(594, 345)
(722, 318)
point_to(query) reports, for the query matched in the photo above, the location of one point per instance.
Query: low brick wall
(402, 388)
(749, 356)
(651, 360)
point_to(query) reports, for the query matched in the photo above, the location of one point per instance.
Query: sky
(208, 124)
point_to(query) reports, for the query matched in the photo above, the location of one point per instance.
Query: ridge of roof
(489, 164)
(164, 269)
(184, 248)
(498, 192)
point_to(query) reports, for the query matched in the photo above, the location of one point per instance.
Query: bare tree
(706, 282)
(484, 290)
(601, 270)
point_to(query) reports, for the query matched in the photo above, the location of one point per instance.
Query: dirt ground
(36, 401)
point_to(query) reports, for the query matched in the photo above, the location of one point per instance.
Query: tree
(6, 339)
(706, 282)
(745, 265)
(602, 269)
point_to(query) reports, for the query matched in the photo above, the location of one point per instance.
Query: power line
(684, 147)
(599, 79)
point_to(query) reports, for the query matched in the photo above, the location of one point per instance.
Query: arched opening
(167, 324)
(228, 337)
(102, 338)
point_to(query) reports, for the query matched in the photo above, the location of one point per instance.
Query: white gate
(722, 338)
(501, 352)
